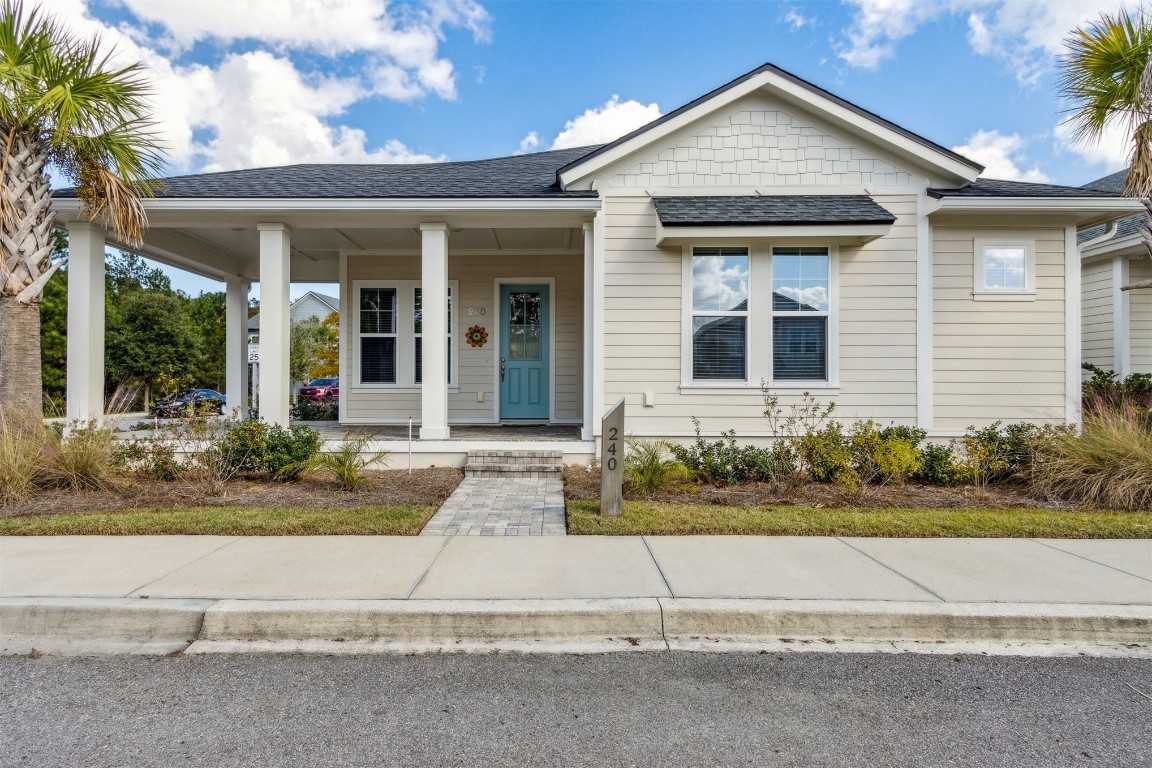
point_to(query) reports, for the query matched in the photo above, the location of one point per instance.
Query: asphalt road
(627, 709)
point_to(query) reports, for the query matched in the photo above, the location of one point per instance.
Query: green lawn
(401, 520)
(642, 518)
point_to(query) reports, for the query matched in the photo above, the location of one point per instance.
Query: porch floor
(513, 433)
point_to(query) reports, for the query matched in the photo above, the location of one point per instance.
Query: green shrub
(1106, 390)
(306, 410)
(938, 466)
(827, 455)
(647, 468)
(288, 451)
(153, 457)
(245, 445)
(724, 462)
(998, 455)
(883, 455)
(1109, 464)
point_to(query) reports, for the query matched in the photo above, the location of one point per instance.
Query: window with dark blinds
(378, 335)
(800, 348)
(720, 313)
(378, 359)
(801, 299)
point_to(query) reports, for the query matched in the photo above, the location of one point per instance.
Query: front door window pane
(524, 325)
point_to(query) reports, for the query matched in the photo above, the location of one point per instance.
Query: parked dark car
(321, 390)
(204, 399)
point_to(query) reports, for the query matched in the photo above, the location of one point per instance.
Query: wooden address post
(612, 461)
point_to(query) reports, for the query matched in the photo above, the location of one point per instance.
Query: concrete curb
(428, 625)
(83, 625)
(689, 620)
(78, 626)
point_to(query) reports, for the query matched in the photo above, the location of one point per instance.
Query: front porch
(413, 280)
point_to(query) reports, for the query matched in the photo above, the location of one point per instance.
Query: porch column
(85, 373)
(236, 342)
(434, 317)
(275, 322)
(589, 414)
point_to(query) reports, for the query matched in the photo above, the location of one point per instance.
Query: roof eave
(260, 204)
(844, 234)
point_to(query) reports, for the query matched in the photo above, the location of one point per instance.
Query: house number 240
(613, 435)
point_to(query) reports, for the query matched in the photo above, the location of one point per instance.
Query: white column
(1072, 351)
(434, 316)
(589, 415)
(597, 340)
(275, 323)
(85, 374)
(1121, 317)
(236, 341)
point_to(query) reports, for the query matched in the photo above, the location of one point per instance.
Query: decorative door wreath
(477, 336)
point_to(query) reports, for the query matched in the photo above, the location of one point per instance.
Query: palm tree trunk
(25, 266)
(20, 385)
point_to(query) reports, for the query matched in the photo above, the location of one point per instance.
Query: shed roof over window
(769, 210)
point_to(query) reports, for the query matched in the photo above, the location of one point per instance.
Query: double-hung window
(388, 334)
(800, 311)
(720, 291)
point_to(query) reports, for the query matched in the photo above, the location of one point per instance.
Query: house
(1117, 323)
(310, 305)
(766, 231)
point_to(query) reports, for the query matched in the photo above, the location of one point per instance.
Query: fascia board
(72, 205)
(839, 233)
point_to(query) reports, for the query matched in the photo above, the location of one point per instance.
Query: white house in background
(311, 304)
(767, 231)
(1117, 323)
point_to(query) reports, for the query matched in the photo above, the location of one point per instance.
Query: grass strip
(397, 520)
(645, 518)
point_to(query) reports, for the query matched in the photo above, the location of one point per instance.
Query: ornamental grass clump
(22, 442)
(83, 457)
(648, 469)
(1109, 464)
(348, 464)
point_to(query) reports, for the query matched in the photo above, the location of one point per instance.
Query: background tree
(62, 103)
(328, 352)
(1106, 78)
(150, 340)
(308, 338)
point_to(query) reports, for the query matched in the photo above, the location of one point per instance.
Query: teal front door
(525, 367)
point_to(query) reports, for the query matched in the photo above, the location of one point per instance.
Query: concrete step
(534, 471)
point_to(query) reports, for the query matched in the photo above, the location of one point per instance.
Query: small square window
(1003, 270)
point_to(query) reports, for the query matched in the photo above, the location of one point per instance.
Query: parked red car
(321, 390)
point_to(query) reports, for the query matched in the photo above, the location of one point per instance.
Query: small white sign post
(612, 461)
(254, 361)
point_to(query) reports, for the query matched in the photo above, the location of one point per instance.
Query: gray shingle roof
(999, 188)
(714, 211)
(812, 87)
(518, 176)
(1126, 227)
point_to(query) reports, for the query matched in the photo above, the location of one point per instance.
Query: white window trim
(405, 337)
(687, 313)
(758, 366)
(982, 293)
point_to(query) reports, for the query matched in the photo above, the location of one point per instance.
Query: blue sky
(245, 83)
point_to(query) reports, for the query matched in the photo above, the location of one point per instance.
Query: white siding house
(1117, 322)
(768, 233)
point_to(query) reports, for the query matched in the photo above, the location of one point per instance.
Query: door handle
(501, 369)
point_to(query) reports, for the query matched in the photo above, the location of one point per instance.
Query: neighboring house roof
(794, 81)
(331, 302)
(770, 209)
(519, 176)
(1126, 227)
(999, 188)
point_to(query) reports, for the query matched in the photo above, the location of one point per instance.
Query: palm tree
(62, 104)
(1106, 75)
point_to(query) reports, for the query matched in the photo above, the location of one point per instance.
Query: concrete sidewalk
(577, 592)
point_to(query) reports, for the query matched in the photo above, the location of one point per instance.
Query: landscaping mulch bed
(424, 487)
(580, 483)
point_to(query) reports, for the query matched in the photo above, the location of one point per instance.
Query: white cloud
(796, 20)
(253, 104)
(529, 143)
(1111, 152)
(1002, 156)
(605, 123)
(1027, 34)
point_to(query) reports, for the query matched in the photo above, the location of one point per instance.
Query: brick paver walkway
(502, 506)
